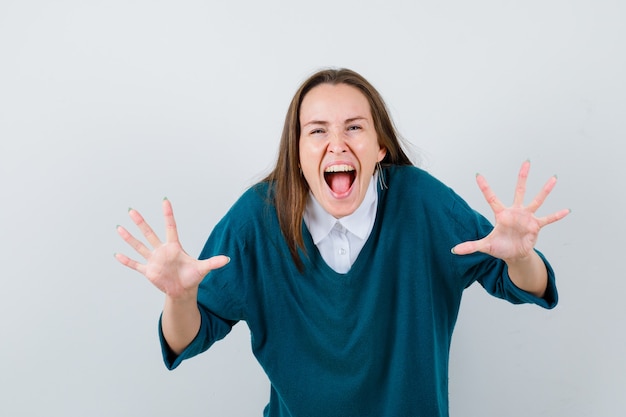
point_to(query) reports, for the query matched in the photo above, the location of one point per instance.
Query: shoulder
(252, 210)
(253, 199)
(413, 191)
(418, 185)
(253, 202)
(248, 220)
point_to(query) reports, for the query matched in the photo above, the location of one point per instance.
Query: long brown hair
(290, 190)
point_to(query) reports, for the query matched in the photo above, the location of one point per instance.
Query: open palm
(516, 227)
(167, 265)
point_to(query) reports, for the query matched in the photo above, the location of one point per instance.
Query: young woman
(347, 262)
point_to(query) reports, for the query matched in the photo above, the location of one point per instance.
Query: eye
(354, 127)
(317, 131)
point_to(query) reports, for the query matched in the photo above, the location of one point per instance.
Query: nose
(336, 143)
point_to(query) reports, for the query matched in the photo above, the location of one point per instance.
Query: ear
(382, 152)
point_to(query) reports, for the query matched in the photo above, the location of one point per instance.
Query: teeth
(339, 168)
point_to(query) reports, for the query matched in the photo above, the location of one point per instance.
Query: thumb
(214, 262)
(465, 248)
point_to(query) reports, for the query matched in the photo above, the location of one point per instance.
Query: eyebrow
(324, 123)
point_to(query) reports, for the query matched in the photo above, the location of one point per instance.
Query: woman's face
(338, 146)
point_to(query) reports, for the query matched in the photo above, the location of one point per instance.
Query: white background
(111, 104)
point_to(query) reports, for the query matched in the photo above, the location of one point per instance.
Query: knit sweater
(372, 342)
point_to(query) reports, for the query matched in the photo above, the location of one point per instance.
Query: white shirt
(340, 240)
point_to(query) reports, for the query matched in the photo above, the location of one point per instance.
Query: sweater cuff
(549, 300)
(170, 358)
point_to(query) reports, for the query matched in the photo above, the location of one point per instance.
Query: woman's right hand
(167, 265)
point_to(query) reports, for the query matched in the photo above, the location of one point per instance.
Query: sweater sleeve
(220, 294)
(490, 272)
(212, 329)
(518, 296)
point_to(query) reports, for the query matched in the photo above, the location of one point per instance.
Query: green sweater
(372, 342)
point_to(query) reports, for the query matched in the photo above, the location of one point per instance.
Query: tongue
(340, 182)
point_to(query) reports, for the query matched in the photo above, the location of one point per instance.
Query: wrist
(183, 298)
(521, 261)
(529, 274)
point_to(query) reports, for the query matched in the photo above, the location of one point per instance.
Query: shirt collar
(320, 222)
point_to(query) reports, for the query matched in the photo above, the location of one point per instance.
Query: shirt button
(342, 251)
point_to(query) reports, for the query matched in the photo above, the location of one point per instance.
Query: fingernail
(228, 259)
(452, 251)
(129, 209)
(164, 198)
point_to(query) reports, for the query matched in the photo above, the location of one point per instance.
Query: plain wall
(111, 104)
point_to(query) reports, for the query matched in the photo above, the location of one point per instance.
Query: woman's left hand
(516, 228)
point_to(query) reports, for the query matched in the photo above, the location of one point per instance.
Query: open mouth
(340, 178)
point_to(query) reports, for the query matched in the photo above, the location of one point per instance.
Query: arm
(529, 274)
(515, 234)
(172, 271)
(180, 322)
